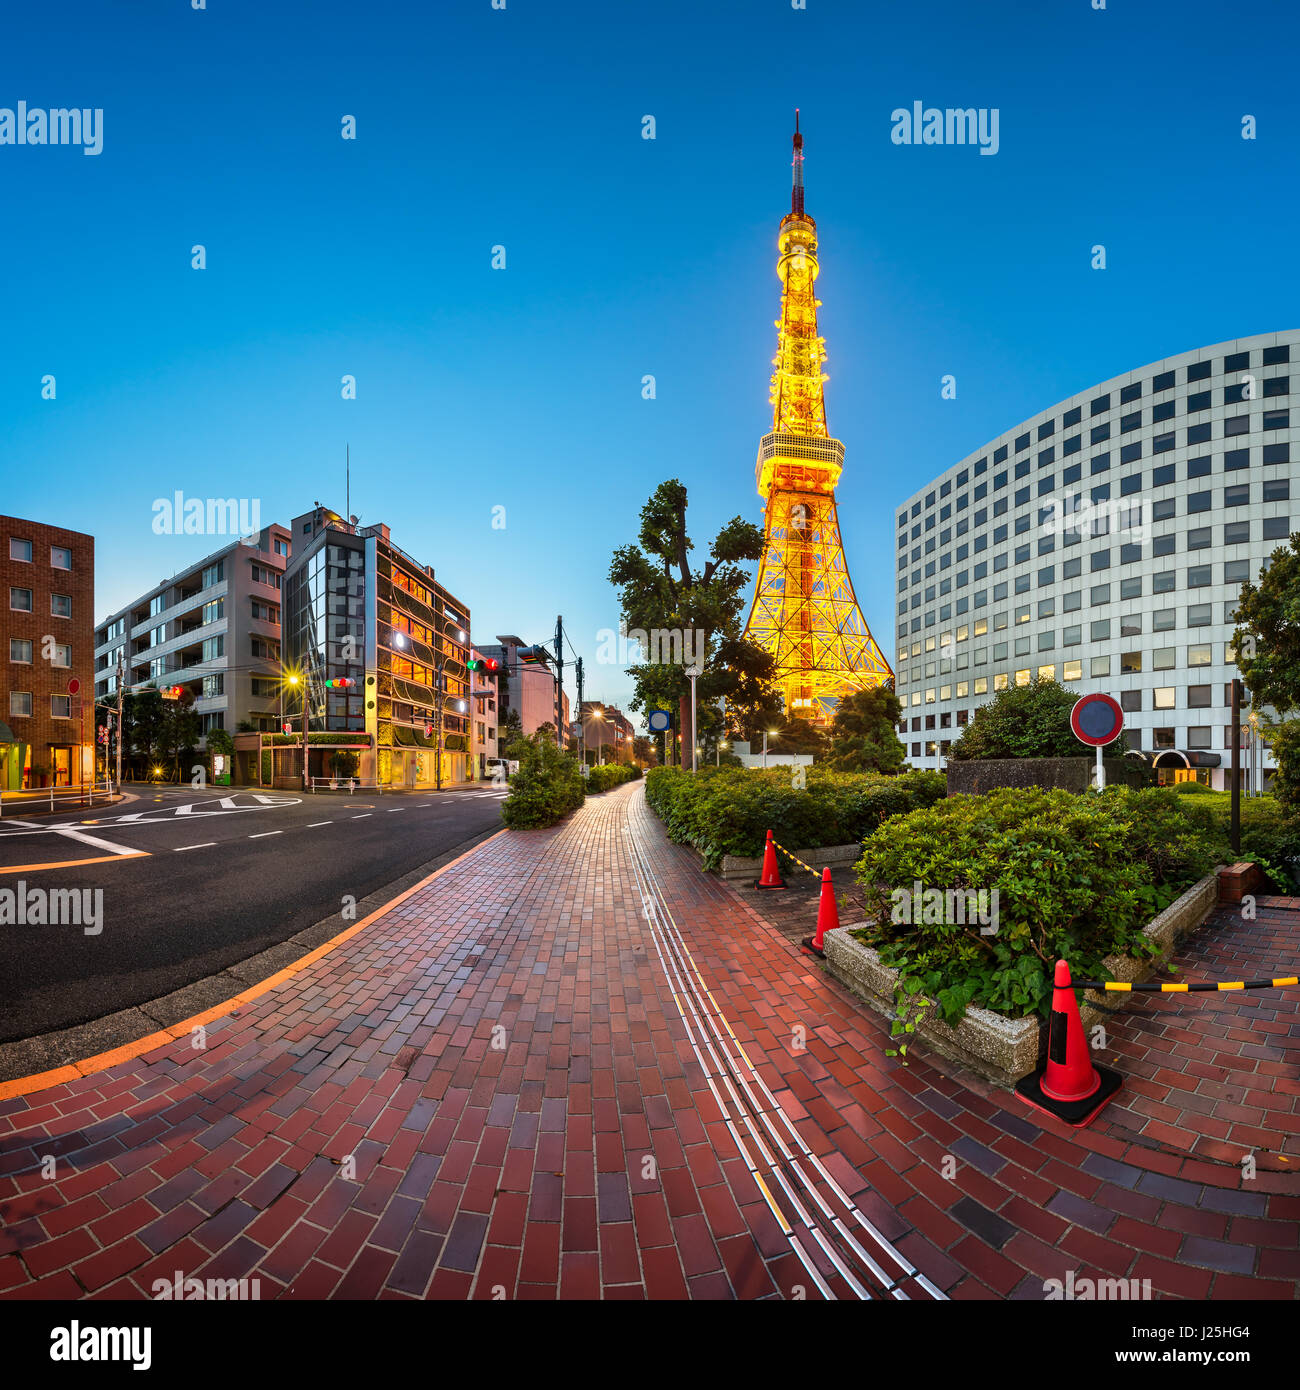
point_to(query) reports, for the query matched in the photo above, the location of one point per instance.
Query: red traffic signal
(339, 683)
(483, 663)
(171, 692)
(428, 731)
(286, 727)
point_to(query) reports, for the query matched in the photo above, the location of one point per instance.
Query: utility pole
(559, 683)
(437, 701)
(306, 692)
(582, 728)
(121, 674)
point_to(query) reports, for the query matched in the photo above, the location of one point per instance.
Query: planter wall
(1000, 1048)
(1066, 774)
(734, 867)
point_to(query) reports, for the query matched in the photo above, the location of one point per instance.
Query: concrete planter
(736, 868)
(1000, 1048)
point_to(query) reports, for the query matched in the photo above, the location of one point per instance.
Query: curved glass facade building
(1103, 543)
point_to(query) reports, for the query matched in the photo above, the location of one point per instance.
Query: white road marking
(392, 809)
(315, 823)
(362, 816)
(265, 833)
(78, 835)
(207, 844)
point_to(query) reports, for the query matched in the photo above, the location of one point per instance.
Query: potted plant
(37, 775)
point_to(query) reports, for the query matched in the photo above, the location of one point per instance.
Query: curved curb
(101, 1061)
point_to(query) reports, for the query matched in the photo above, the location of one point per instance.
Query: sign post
(658, 722)
(1097, 720)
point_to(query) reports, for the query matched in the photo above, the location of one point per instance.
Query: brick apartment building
(47, 590)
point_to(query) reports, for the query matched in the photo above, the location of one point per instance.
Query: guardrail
(45, 798)
(347, 784)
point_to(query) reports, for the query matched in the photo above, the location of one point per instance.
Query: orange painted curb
(76, 863)
(39, 1081)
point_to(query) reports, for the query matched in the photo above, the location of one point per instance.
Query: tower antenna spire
(796, 190)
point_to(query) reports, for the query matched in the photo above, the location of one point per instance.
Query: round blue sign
(658, 720)
(1096, 720)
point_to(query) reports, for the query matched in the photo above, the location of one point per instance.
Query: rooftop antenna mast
(348, 484)
(796, 189)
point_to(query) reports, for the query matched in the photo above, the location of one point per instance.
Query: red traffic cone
(828, 917)
(771, 877)
(1068, 1085)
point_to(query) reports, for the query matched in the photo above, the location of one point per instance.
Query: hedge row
(548, 785)
(602, 778)
(729, 810)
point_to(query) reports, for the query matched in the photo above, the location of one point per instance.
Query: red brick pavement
(491, 1092)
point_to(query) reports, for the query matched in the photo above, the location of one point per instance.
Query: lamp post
(694, 672)
(290, 679)
(600, 742)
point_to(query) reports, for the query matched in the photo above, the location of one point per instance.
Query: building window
(20, 704)
(20, 550)
(1130, 663)
(1163, 697)
(60, 606)
(60, 557)
(60, 706)
(20, 649)
(20, 600)
(1198, 576)
(1162, 659)
(1198, 615)
(62, 655)
(1198, 697)
(1198, 737)
(1099, 666)
(1130, 701)
(1277, 528)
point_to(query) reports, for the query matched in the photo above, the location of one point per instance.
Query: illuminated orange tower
(805, 611)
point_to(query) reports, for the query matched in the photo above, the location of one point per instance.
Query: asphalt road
(195, 881)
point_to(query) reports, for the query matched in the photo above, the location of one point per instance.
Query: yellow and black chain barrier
(1116, 987)
(795, 857)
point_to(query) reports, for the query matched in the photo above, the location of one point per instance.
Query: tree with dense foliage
(1267, 638)
(1026, 721)
(1267, 644)
(659, 589)
(863, 735)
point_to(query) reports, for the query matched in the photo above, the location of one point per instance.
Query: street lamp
(600, 743)
(774, 733)
(694, 672)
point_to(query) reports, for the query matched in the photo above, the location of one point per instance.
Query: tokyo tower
(804, 610)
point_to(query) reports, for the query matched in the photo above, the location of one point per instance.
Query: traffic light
(171, 692)
(339, 683)
(483, 663)
(533, 656)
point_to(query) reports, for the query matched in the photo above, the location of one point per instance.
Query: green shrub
(723, 810)
(1192, 789)
(601, 779)
(1077, 878)
(547, 786)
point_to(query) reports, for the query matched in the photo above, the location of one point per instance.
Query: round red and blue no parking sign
(1096, 720)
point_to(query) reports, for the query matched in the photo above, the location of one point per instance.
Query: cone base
(780, 883)
(807, 944)
(1073, 1112)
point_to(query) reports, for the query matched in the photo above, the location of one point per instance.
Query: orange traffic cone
(828, 917)
(771, 874)
(1068, 1085)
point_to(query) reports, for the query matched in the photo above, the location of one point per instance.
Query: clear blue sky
(625, 257)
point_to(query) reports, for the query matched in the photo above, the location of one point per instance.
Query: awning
(7, 734)
(1175, 757)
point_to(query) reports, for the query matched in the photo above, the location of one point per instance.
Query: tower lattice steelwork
(805, 611)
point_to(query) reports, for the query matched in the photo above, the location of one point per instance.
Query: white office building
(1102, 543)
